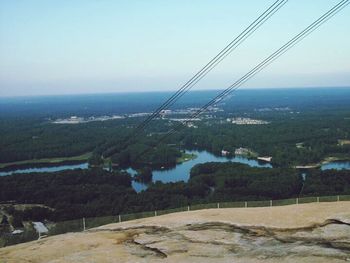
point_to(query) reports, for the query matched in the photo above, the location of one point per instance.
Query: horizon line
(168, 91)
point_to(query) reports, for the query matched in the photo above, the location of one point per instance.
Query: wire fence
(79, 225)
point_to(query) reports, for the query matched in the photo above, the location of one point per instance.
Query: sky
(101, 46)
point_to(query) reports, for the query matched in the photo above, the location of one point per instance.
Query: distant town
(246, 121)
(77, 120)
(164, 114)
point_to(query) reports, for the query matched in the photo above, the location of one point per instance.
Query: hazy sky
(62, 47)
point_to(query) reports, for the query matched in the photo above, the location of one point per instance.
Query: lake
(180, 172)
(337, 165)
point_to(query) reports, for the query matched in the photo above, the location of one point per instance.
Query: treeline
(95, 192)
(231, 182)
(140, 155)
(32, 138)
(38, 139)
(291, 139)
(328, 182)
(72, 193)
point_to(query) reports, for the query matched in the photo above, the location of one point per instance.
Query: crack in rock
(329, 239)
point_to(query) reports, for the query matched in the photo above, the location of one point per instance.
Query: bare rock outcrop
(298, 233)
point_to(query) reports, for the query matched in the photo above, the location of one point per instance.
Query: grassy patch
(82, 157)
(186, 157)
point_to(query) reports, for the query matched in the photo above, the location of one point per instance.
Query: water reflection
(338, 165)
(182, 171)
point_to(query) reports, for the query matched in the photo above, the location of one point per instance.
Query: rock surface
(318, 232)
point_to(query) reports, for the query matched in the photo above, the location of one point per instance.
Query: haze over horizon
(84, 47)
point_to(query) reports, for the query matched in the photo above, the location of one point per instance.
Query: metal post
(245, 204)
(84, 223)
(337, 198)
(270, 203)
(188, 208)
(218, 205)
(297, 201)
(155, 212)
(318, 199)
(119, 218)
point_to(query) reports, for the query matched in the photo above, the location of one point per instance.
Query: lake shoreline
(80, 159)
(327, 160)
(176, 173)
(45, 161)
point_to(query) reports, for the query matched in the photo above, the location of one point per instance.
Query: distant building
(265, 158)
(40, 228)
(17, 231)
(191, 125)
(246, 121)
(224, 153)
(164, 112)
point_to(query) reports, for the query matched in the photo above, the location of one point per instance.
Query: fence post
(270, 203)
(188, 208)
(337, 198)
(155, 212)
(245, 204)
(119, 218)
(218, 205)
(297, 201)
(318, 199)
(84, 223)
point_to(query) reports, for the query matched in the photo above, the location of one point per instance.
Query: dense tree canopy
(303, 128)
(96, 192)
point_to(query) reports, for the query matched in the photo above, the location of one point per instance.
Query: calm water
(179, 173)
(339, 165)
(182, 171)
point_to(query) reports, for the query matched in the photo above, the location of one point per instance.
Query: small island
(185, 157)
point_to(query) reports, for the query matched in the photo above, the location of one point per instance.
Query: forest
(96, 192)
(305, 139)
(305, 127)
